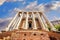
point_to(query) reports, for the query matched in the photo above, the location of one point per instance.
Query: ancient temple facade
(30, 20)
(28, 26)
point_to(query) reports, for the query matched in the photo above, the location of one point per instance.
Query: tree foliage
(57, 27)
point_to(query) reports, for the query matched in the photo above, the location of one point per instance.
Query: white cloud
(21, 1)
(2, 1)
(2, 20)
(32, 5)
(4, 23)
(14, 0)
(17, 9)
(55, 5)
(12, 12)
(40, 7)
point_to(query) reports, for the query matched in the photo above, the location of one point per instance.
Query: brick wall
(29, 35)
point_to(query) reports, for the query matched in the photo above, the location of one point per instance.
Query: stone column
(17, 21)
(14, 23)
(48, 22)
(20, 19)
(26, 25)
(11, 22)
(45, 24)
(34, 22)
(40, 21)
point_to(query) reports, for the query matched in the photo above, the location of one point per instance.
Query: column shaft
(45, 25)
(17, 21)
(34, 22)
(40, 21)
(11, 22)
(20, 19)
(26, 26)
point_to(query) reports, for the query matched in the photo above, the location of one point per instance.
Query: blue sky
(11, 5)
(7, 8)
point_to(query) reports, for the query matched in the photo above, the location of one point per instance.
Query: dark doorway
(30, 25)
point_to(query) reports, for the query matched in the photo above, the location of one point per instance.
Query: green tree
(57, 27)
